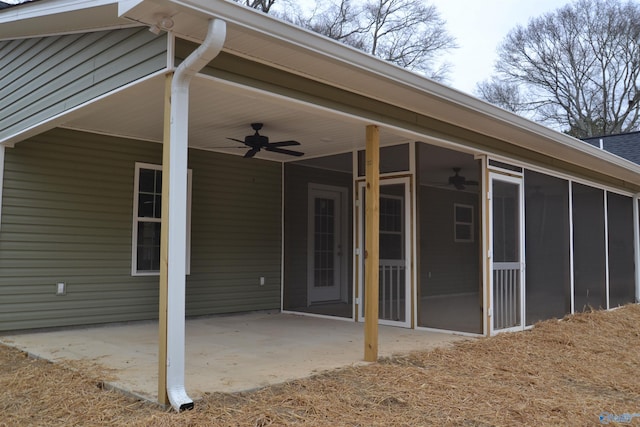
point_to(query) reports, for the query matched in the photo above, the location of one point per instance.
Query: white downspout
(1, 178)
(636, 243)
(176, 275)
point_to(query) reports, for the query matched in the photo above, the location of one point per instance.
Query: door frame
(315, 190)
(519, 181)
(408, 251)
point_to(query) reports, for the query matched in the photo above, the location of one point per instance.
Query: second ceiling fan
(459, 181)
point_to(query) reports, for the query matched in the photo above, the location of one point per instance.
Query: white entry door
(507, 253)
(394, 293)
(326, 267)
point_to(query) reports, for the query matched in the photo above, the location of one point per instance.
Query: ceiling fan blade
(237, 140)
(283, 144)
(283, 151)
(251, 153)
(470, 182)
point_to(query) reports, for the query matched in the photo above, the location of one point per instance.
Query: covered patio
(223, 353)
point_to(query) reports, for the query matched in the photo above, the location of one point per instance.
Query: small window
(463, 223)
(147, 217)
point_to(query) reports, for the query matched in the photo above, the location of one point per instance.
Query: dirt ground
(577, 372)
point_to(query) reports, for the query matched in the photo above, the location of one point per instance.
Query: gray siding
(67, 216)
(236, 235)
(43, 77)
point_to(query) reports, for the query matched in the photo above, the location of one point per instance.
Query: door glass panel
(324, 241)
(507, 293)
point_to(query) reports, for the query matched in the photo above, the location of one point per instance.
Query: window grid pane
(324, 219)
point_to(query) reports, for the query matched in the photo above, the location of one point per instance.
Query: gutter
(178, 154)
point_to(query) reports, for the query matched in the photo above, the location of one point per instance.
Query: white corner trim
(2, 148)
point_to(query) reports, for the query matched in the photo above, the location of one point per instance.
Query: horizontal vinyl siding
(43, 77)
(236, 234)
(66, 217)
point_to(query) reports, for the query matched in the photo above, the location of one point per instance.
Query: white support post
(636, 243)
(606, 248)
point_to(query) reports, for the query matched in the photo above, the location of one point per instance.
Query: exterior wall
(62, 72)
(67, 217)
(236, 234)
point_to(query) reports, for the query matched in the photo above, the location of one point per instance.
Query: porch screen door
(394, 272)
(507, 258)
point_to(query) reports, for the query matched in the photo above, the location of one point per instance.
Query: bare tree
(408, 33)
(263, 5)
(578, 67)
(501, 93)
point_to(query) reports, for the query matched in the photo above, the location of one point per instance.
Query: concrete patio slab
(224, 353)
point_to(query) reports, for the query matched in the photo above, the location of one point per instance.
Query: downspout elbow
(196, 61)
(205, 53)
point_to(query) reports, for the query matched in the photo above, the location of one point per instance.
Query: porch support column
(163, 397)
(372, 246)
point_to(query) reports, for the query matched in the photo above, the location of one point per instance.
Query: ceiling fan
(257, 142)
(459, 181)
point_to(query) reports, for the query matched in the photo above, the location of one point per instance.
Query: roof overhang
(267, 40)
(278, 44)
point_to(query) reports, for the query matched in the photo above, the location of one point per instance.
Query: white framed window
(147, 217)
(463, 223)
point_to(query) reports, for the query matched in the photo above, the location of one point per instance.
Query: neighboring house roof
(5, 5)
(625, 145)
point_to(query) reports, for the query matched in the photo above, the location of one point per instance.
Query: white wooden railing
(392, 280)
(506, 295)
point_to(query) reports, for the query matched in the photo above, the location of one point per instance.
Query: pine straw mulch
(558, 373)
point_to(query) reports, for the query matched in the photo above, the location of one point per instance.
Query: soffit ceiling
(219, 111)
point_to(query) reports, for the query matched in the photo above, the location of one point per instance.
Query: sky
(479, 26)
